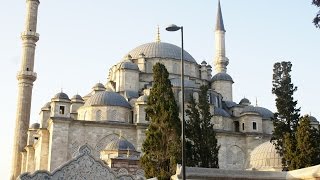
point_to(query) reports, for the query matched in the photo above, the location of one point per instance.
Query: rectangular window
(254, 125)
(243, 126)
(61, 109)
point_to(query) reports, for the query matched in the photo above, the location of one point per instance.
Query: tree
(286, 119)
(161, 148)
(316, 20)
(305, 152)
(202, 146)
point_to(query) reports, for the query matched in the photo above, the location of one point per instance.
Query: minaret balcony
(27, 75)
(26, 35)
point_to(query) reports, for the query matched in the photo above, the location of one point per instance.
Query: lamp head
(173, 27)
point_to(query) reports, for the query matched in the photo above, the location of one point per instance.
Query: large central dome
(160, 50)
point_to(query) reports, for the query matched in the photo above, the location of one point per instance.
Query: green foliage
(201, 144)
(303, 151)
(316, 20)
(162, 147)
(287, 117)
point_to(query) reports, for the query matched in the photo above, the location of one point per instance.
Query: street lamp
(174, 27)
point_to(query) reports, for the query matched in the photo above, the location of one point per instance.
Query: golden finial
(158, 35)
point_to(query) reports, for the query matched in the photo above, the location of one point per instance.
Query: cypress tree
(202, 146)
(162, 147)
(287, 117)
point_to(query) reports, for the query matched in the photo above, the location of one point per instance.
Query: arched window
(98, 115)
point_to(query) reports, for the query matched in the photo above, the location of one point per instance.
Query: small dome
(203, 63)
(245, 101)
(265, 158)
(98, 86)
(61, 95)
(76, 97)
(107, 98)
(222, 77)
(35, 126)
(221, 112)
(143, 98)
(313, 119)
(120, 144)
(127, 64)
(263, 112)
(160, 50)
(47, 105)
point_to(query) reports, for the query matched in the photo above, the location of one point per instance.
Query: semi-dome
(222, 77)
(160, 50)
(107, 98)
(61, 95)
(265, 158)
(127, 64)
(120, 144)
(263, 112)
(47, 105)
(77, 98)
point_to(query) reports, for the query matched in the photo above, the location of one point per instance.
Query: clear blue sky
(80, 40)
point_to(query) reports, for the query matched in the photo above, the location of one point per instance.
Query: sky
(80, 40)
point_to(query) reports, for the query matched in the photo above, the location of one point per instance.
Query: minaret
(220, 60)
(26, 76)
(221, 82)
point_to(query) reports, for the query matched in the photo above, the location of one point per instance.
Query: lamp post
(173, 27)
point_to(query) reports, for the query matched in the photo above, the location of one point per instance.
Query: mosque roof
(107, 98)
(160, 50)
(222, 77)
(120, 144)
(143, 98)
(263, 112)
(220, 112)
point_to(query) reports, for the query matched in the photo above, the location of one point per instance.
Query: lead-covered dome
(222, 77)
(120, 144)
(265, 158)
(61, 95)
(107, 98)
(263, 112)
(160, 50)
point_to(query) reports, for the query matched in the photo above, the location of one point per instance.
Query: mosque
(111, 118)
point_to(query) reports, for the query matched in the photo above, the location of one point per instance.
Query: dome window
(98, 115)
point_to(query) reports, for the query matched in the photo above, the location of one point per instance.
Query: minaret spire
(221, 61)
(26, 76)
(219, 24)
(158, 35)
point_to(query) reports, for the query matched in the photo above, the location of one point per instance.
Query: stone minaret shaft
(26, 76)
(220, 60)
